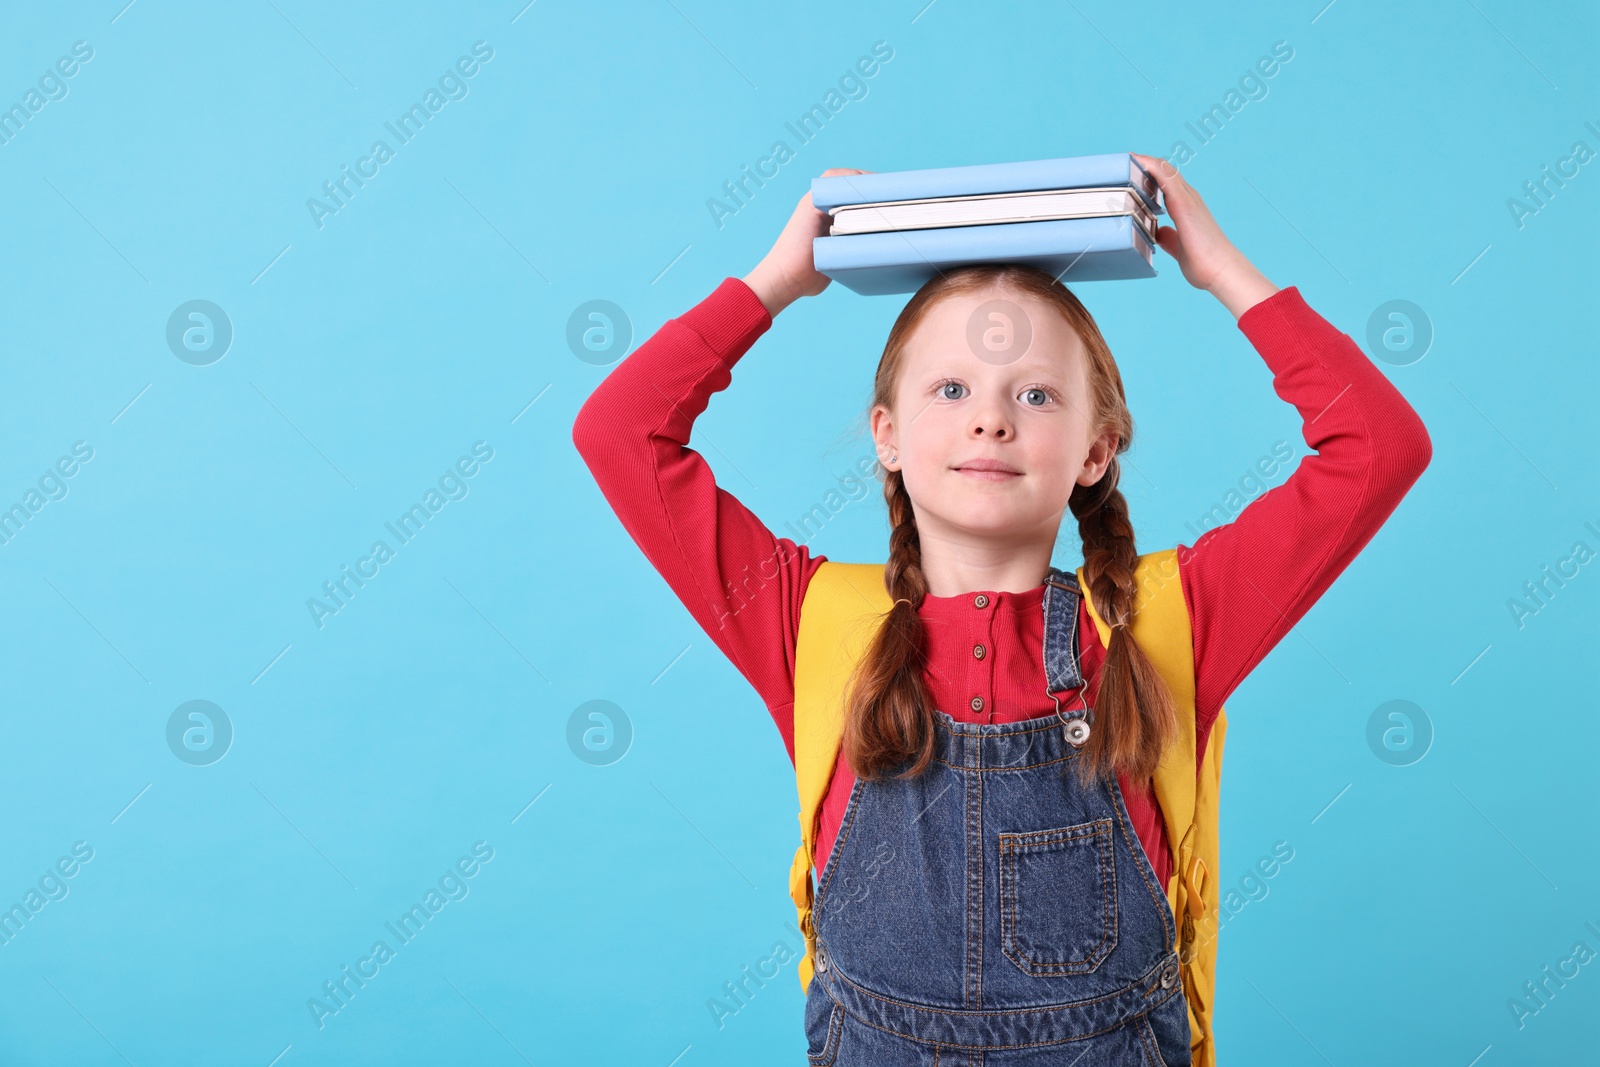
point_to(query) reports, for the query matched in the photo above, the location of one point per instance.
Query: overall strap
(1063, 663)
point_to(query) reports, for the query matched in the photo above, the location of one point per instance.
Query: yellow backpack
(844, 605)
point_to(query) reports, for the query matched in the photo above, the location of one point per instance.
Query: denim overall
(993, 911)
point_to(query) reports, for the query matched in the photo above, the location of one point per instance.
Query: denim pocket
(1058, 898)
(824, 1022)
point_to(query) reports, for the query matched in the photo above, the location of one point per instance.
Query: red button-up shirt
(1246, 582)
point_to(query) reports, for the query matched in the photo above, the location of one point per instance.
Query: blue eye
(1033, 396)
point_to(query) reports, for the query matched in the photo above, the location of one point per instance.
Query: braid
(890, 720)
(1135, 717)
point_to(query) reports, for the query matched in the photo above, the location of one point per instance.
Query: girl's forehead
(995, 329)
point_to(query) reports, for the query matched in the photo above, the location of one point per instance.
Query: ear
(883, 435)
(1102, 450)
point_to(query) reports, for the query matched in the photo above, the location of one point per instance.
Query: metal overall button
(1169, 974)
(822, 958)
(1076, 729)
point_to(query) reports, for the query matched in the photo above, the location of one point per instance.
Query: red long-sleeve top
(1246, 583)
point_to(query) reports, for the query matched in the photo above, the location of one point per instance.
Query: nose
(990, 421)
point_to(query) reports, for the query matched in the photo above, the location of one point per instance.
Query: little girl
(945, 755)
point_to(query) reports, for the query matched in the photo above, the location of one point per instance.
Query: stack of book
(1082, 218)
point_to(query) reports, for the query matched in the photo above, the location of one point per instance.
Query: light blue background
(432, 310)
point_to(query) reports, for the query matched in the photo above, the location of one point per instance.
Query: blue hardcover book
(1072, 172)
(900, 261)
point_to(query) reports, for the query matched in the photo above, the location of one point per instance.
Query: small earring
(893, 456)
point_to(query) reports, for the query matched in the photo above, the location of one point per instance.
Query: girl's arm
(1249, 581)
(743, 585)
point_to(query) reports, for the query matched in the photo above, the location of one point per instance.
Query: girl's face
(991, 420)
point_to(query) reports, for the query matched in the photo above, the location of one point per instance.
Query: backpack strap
(843, 608)
(1189, 801)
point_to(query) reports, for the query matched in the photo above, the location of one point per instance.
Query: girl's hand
(1208, 259)
(787, 272)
